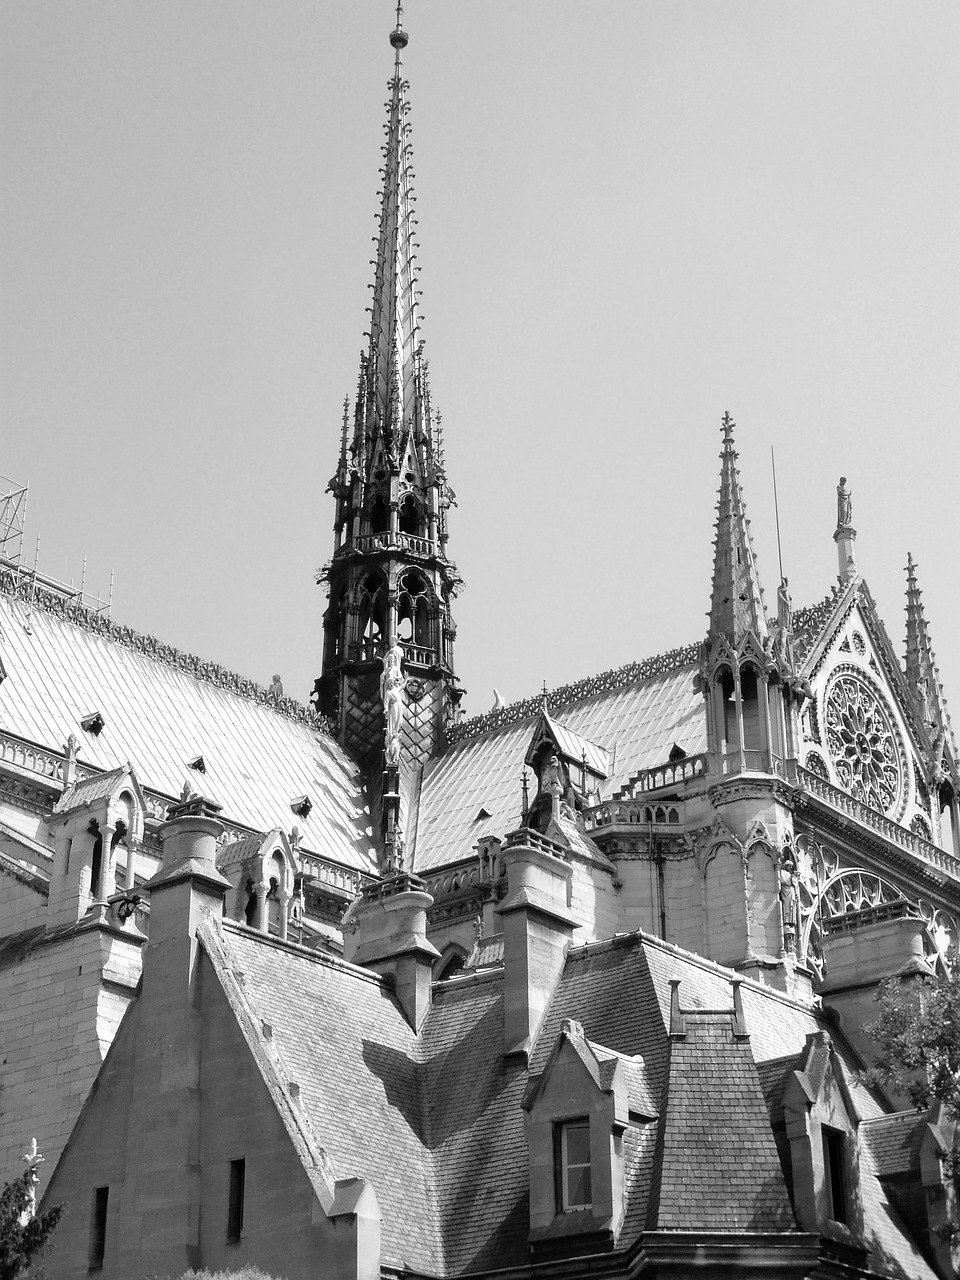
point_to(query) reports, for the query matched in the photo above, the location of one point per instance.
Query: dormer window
(574, 1171)
(93, 723)
(301, 806)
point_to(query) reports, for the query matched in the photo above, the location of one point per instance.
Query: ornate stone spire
(920, 664)
(388, 683)
(736, 607)
(393, 407)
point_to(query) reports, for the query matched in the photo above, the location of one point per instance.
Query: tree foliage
(917, 1037)
(20, 1242)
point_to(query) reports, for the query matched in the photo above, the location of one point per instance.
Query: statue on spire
(844, 505)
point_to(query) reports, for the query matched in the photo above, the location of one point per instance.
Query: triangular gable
(574, 749)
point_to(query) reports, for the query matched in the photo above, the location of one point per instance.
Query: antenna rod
(776, 509)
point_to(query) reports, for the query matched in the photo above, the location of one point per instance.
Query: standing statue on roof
(391, 691)
(844, 505)
(788, 901)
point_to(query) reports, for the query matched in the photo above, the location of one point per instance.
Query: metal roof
(159, 717)
(636, 723)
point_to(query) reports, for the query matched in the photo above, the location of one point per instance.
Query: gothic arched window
(378, 514)
(413, 610)
(372, 602)
(410, 516)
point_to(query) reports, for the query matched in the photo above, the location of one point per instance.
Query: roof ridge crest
(61, 607)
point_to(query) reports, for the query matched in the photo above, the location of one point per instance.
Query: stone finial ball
(399, 39)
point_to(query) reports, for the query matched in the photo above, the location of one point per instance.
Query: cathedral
(366, 988)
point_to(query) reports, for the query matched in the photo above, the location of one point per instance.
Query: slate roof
(159, 716)
(637, 724)
(435, 1123)
(341, 1036)
(89, 790)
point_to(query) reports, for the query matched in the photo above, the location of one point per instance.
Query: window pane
(578, 1143)
(579, 1190)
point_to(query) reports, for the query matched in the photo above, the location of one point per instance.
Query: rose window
(862, 743)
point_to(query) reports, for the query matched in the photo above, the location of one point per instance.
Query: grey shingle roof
(435, 1123)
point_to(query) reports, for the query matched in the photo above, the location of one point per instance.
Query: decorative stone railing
(527, 837)
(670, 774)
(387, 541)
(32, 759)
(341, 879)
(417, 654)
(452, 880)
(626, 813)
(753, 762)
(903, 837)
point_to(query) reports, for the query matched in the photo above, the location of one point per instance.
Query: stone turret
(753, 694)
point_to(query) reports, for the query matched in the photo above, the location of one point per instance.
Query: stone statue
(391, 691)
(788, 901)
(781, 639)
(844, 505)
(551, 780)
(784, 606)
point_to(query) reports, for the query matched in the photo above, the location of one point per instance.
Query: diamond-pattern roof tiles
(159, 717)
(636, 724)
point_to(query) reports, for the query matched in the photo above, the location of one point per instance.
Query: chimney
(390, 937)
(164, 1147)
(862, 949)
(537, 929)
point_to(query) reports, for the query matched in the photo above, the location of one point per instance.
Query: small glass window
(576, 1181)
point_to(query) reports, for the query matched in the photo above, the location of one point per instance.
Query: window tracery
(863, 743)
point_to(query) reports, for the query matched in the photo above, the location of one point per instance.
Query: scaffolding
(13, 514)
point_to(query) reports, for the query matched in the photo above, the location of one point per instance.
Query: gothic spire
(920, 665)
(736, 608)
(393, 405)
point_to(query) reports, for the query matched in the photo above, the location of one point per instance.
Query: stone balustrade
(626, 813)
(387, 541)
(671, 774)
(341, 879)
(901, 836)
(527, 836)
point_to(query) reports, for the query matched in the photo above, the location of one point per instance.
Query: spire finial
(398, 37)
(726, 427)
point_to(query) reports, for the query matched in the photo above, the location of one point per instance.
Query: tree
(22, 1237)
(917, 1036)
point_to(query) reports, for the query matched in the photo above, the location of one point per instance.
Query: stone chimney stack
(537, 929)
(390, 937)
(162, 1202)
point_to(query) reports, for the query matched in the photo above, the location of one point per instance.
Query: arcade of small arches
(747, 705)
(414, 614)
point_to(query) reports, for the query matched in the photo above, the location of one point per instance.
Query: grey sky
(633, 216)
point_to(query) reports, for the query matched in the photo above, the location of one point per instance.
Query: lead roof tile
(636, 723)
(159, 717)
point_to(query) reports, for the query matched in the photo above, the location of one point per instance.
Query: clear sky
(633, 216)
